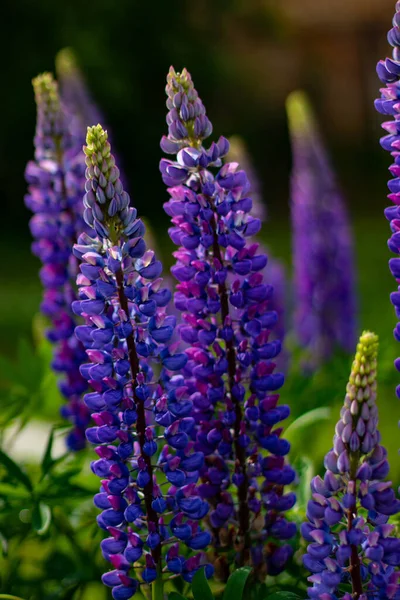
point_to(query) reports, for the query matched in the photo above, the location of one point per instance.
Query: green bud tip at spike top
(66, 61)
(362, 382)
(46, 90)
(300, 113)
(98, 150)
(47, 99)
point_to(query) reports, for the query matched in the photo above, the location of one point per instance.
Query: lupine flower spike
(230, 370)
(126, 335)
(324, 278)
(56, 185)
(389, 104)
(350, 539)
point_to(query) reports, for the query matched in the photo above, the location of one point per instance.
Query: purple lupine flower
(350, 539)
(126, 335)
(324, 277)
(389, 73)
(230, 370)
(274, 272)
(56, 185)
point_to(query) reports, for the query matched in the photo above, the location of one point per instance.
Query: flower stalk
(226, 323)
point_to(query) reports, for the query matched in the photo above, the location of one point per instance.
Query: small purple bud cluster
(126, 336)
(56, 184)
(324, 278)
(389, 104)
(350, 540)
(226, 322)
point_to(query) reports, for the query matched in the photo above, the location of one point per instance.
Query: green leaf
(310, 418)
(41, 518)
(201, 589)
(8, 597)
(305, 469)
(15, 471)
(236, 584)
(12, 491)
(175, 596)
(47, 461)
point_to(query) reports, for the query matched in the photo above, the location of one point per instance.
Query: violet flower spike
(226, 321)
(126, 337)
(388, 104)
(350, 539)
(324, 274)
(55, 187)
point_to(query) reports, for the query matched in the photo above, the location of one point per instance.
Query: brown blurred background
(245, 57)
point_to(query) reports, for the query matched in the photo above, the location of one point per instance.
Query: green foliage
(236, 584)
(200, 587)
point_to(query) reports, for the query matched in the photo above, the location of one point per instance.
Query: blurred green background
(245, 57)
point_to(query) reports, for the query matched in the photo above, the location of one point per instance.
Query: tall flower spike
(388, 104)
(126, 335)
(56, 184)
(226, 316)
(324, 277)
(350, 538)
(274, 271)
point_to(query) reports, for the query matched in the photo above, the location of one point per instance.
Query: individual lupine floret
(126, 335)
(350, 539)
(324, 276)
(230, 370)
(56, 185)
(389, 104)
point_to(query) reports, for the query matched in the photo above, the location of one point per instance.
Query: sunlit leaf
(41, 518)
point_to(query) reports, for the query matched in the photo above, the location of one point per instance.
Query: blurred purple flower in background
(226, 321)
(79, 105)
(55, 188)
(81, 109)
(324, 275)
